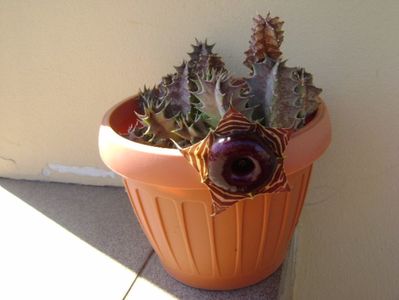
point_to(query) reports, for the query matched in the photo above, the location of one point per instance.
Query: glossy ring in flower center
(241, 163)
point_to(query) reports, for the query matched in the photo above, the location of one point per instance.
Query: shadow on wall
(103, 217)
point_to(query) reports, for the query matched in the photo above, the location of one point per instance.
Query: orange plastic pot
(238, 247)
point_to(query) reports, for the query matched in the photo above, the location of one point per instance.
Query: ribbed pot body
(236, 248)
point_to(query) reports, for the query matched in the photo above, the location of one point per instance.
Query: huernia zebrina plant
(233, 131)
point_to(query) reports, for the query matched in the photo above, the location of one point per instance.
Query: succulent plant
(196, 108)
(186, 105)
(284, 97)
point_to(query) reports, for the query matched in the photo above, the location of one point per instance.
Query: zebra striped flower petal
(239, 160)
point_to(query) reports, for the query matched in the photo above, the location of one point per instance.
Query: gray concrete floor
(66, 241)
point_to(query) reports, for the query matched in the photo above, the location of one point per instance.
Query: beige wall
(349, 231)
(63, 63)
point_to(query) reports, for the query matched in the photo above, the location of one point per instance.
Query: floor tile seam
(138, 274)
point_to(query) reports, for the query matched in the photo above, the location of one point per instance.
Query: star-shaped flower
(239, 160)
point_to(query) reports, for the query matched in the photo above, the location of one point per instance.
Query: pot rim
(125, 157)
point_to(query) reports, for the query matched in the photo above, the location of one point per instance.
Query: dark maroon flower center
(241, 163)
(242, 166)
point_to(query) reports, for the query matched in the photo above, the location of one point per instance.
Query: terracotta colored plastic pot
(238, 247)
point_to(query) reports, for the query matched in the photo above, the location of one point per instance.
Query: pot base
(223, 284)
